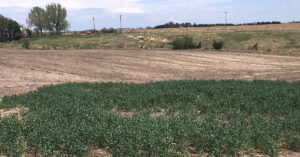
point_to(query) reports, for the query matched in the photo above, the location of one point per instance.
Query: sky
(144, 13)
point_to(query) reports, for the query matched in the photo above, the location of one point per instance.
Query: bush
(254, 47)
(36, 32)
(178, 43)
(199, 45)
(120, 43)
(18, 36)
(29, 33)
(218, 45)
(184, 43)
(26, 44)
(110, 30)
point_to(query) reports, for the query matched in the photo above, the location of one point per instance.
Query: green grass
(237, 36)
(62, 42)
(11, 138)
(218, 118)
(274, 40)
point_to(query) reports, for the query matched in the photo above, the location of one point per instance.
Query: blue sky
(143, 13)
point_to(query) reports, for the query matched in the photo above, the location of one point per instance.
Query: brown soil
(25, 70)
(99, 153)
(160, 113)
(122, 112)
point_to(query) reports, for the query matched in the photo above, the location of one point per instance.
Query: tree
(14, 30)
(36, 18)
(3, 28)
(9, 29)
(56, 18)
(171, 24)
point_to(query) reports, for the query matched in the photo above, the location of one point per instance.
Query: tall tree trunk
(57, 30)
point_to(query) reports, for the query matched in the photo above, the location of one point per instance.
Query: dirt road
(25, 70)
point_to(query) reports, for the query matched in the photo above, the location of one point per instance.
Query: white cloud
(169, 5)
(115, 6)
(141, 13)
(122, 6)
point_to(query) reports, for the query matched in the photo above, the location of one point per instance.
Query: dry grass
(290, 26)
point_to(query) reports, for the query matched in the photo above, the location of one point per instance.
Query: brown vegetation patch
(284, 153)
(15, 111)
(161, 112)
(124, 113)
(99, 153)
(288, 153)
(94, 152)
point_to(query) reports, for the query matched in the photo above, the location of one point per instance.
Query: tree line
(51, 19)
(188, 24)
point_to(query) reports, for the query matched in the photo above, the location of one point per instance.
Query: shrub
(184, 43)
(178, 43)
(18, 36)
(29, 33)
(199, 45)
(120, 43)
(254, 47)
(110, 30)
(218, 45)
(163, 45)
(36, 32)
(26, 44)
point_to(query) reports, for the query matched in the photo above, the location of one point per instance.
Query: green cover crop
(172, 118)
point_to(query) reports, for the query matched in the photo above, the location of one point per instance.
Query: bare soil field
(25, 70)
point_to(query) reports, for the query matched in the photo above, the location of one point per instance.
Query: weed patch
(26, 44)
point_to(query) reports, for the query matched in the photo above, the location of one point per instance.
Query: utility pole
(121, 23)
(94, 24)
(226, 13)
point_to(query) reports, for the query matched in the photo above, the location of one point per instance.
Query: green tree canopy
(56, 17)
(9, 29)
(3, 22)
(14, 30)
(36, 18)
(3, 28)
